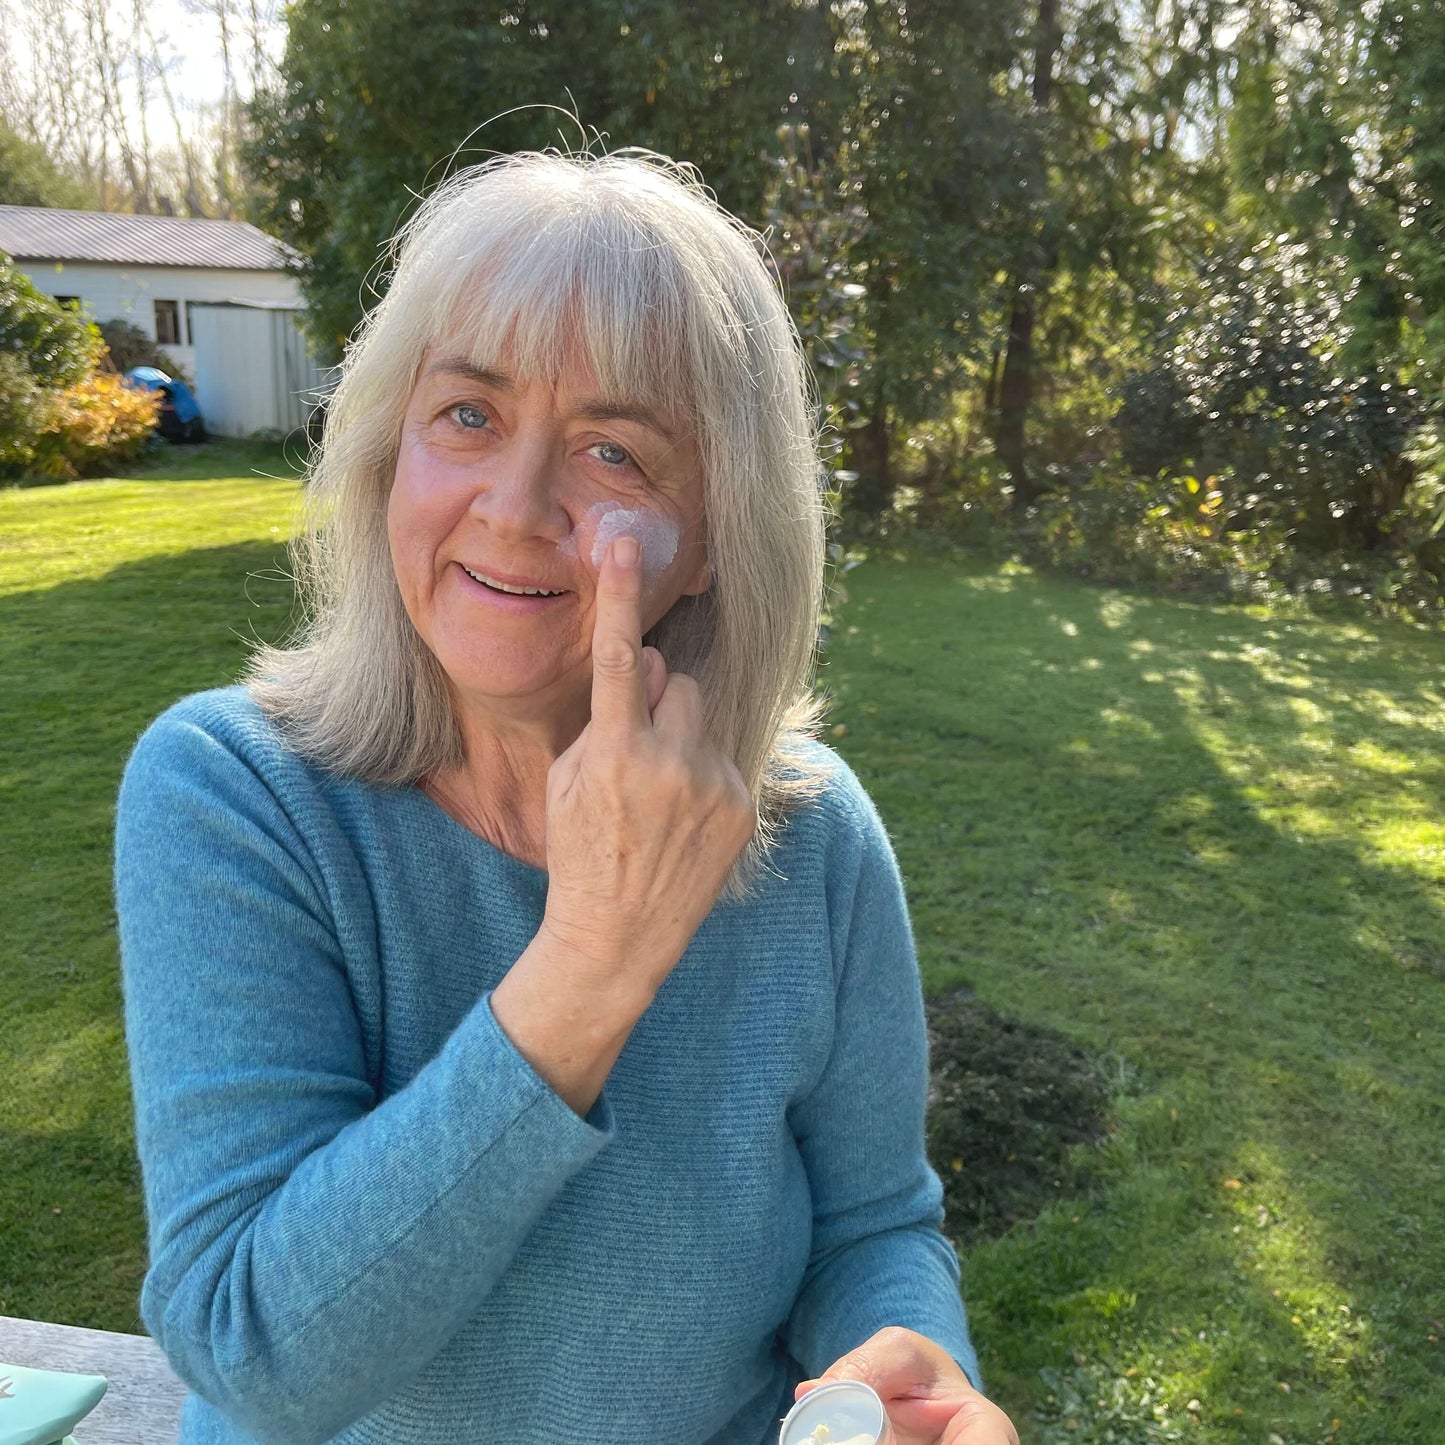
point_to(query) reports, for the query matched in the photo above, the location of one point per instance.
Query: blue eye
(612, 454)
(471, 417)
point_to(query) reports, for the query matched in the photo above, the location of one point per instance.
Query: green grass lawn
(1205, 843)
(115, 598)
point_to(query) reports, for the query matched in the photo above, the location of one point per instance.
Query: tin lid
(845, 1412)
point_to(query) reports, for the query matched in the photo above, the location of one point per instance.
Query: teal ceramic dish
(41, 1407)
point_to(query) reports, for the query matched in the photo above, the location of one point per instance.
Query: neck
(500, 790)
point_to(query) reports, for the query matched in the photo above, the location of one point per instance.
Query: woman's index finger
(619, 696)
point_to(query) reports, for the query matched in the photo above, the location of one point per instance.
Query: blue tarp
(154, 379)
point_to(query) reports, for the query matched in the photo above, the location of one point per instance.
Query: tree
(911, 134)
(935, 149)
(378, 99)
(55, 345)
(30, 177)
(1015, 386)
(1337, 141)
(81, 78)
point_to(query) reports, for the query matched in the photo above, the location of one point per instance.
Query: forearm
(299, 1305)
(906, 1277)
(569, 1019)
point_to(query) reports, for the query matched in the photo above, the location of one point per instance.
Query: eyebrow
(589, 409)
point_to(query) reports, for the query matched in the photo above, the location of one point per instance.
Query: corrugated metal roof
(38, 233)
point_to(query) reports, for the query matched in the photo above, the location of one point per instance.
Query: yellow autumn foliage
(91, 427)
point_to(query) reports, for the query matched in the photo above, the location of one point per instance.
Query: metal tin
(847, 1411)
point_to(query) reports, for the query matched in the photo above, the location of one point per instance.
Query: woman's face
(523, 484)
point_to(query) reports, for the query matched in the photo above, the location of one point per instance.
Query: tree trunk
(990, 390)
(1015, 390)
(1393, 478)
(872, 494)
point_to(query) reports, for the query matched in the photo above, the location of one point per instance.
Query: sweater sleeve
(311, 1248)
(878, 1256)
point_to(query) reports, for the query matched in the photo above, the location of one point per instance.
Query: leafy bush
(130, 346)
(1094, 1405)
(1251, 385)
(1168, 534)
(1173, 535)
(55, 345)
(23, 407)
(59, 417)
(92, 427)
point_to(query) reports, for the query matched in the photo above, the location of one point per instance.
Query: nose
(516, 497)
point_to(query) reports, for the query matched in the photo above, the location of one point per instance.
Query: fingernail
(626, 550)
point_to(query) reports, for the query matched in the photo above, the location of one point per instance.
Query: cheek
(657, 535)
(421, 509)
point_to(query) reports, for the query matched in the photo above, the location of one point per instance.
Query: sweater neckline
(428, 805)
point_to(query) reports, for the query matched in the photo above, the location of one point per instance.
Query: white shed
(253, 369)
(147, 270)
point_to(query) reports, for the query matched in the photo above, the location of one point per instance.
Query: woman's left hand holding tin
(928, 1398)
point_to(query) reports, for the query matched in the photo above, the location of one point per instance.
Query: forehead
(611, 321)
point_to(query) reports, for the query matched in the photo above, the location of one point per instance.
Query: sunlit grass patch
(116, 597)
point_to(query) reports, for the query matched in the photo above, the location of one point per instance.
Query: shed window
(168, 323)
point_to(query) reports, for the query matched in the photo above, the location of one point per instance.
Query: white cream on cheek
(657, 536)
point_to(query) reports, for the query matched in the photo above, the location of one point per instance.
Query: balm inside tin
(846, 1412)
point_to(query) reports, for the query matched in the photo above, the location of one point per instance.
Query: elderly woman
(525, 1026)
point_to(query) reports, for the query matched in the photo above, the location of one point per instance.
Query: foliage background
(1151, 291)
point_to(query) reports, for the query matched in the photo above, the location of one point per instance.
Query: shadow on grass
(1160, 829)
(72, 1228)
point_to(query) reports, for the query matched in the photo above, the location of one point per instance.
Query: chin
(507, 680)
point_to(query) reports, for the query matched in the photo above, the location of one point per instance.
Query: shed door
(253, 372)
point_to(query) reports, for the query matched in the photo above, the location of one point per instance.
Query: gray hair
(629, 260)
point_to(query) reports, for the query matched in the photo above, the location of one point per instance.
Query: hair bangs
(593, 288)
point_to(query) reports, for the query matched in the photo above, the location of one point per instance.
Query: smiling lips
(519, 589)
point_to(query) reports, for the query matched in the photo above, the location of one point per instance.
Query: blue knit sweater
(371, 1221)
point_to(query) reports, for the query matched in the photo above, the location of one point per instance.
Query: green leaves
(54, 344)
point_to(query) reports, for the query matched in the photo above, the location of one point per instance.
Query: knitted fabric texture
(371, 1221)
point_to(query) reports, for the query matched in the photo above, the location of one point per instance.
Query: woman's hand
(928, 1398)
(645, 817)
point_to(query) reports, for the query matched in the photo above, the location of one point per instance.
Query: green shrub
(1249, 383)
(130, 346)
(23, 408)
(55, 344)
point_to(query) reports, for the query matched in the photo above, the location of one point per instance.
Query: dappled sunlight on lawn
(1204, 841)
(1288, 723)
(45, 1082)
(1279, 1242)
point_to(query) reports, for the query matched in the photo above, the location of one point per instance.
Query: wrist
(606, 981)
(626, 971)
(579, 949)
(569, 1023)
